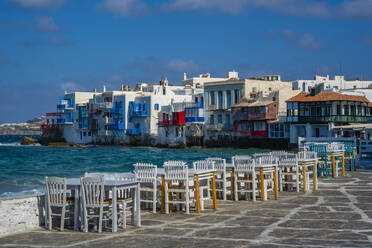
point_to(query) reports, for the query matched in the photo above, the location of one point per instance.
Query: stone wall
(21, 214)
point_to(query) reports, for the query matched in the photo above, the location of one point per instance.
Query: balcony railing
(194, 105)
(64, 121)
(220, 127)
(334, 118)
(134, 131)
(105, 105)
(116, 126)
(194, 119)
(119, 111)
(141, 113)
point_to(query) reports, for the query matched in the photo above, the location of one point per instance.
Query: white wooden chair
(125, 197)
(221, 176)
(267, 162)
(176, 173)
(56, 196)
(204, 182)
(146, 174)
(245, 181)
(289, 172)
(93, 192)
(310, 159)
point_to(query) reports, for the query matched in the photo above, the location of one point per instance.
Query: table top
(192, 172)
(109, 182)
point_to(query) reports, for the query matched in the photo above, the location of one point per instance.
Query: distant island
(31, 127)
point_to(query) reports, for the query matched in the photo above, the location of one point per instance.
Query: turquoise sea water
(23, 168)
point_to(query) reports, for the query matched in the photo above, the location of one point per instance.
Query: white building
(338, 83)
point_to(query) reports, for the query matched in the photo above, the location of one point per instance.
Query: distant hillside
(31, 127)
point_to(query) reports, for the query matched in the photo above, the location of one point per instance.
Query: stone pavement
(339, 214)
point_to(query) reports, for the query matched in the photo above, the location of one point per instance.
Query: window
(89, 133)
(228, 98)
(212, 98)
(164, 91)
(144, 107)
(156, 106)
(211, 120)
(338, 109)
(220, 100)
(85, 134)
(219, 119)
(196, 100)
(236, 96)
(346, 109)
(228, 122)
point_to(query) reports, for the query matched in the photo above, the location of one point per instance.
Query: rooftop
(327, 96)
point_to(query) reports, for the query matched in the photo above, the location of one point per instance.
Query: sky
(51, 46)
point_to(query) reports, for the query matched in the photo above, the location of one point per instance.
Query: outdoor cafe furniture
(288, 171)
(205, 180)
(307, 161)
(336, 151)
(222, 177)
(123, 182)
(350, 155)
(57, 197)
(245, 181)
(180, 186)
(146, 174)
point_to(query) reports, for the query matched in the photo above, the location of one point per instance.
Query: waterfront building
(338, 83)
(222, 95)
(315, 114)
(69, 116)
(252, 118)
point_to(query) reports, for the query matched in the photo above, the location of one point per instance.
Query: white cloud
(304, 41)
(46, 24)
(354, 9)
(70, 86)
(231, 6)
(124, 7)
(179, 65)
(39, 4)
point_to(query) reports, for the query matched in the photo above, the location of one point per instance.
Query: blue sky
(49, 46)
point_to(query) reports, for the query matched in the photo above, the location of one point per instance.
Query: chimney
(94, 90)
(123, 87)
(184, 76)
(104, 88)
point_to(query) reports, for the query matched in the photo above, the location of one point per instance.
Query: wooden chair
(245, 181)
(177, 185)
(204, 182)
(289, 172)
(146, 174)
(221, 176)
(56, 194)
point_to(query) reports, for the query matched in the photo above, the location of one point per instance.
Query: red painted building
(253, 118)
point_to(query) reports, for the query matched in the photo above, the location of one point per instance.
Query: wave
(17, 144)
(22, 193)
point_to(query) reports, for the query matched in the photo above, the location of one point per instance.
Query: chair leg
(50, 223)
(236, 186)
(297, 181)
(224, 186)
(124, 214)
(254, 187)
(85, 220)
(166, 199)
(63, 217)
(154, 198)
(100, 219)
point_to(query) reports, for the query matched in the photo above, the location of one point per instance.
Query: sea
(23, 168)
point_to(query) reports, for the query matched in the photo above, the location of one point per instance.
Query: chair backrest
(262, 154)
(174, 162)
(203, 165)
(174, 172)
(145, 172)
(93, 191)
(307, 155)
(266, 160)
(243, 163)
(336, 146)
(288, 161)
(219, 164)
(56, 190)
(127, 177)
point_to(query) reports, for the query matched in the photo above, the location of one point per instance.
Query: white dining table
(113, 186)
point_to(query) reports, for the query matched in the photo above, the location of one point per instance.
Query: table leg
(197, 195)
(354, 161)
(170, 197)
(232, 184)
(46, 209)
(114, 210)
(314, 177)
(276, 183)
(138, 204)
(343, 164)
(214, 191)
(304, 177)
(262, 179)
(76, 208)
(333, 166)
(162, 193)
